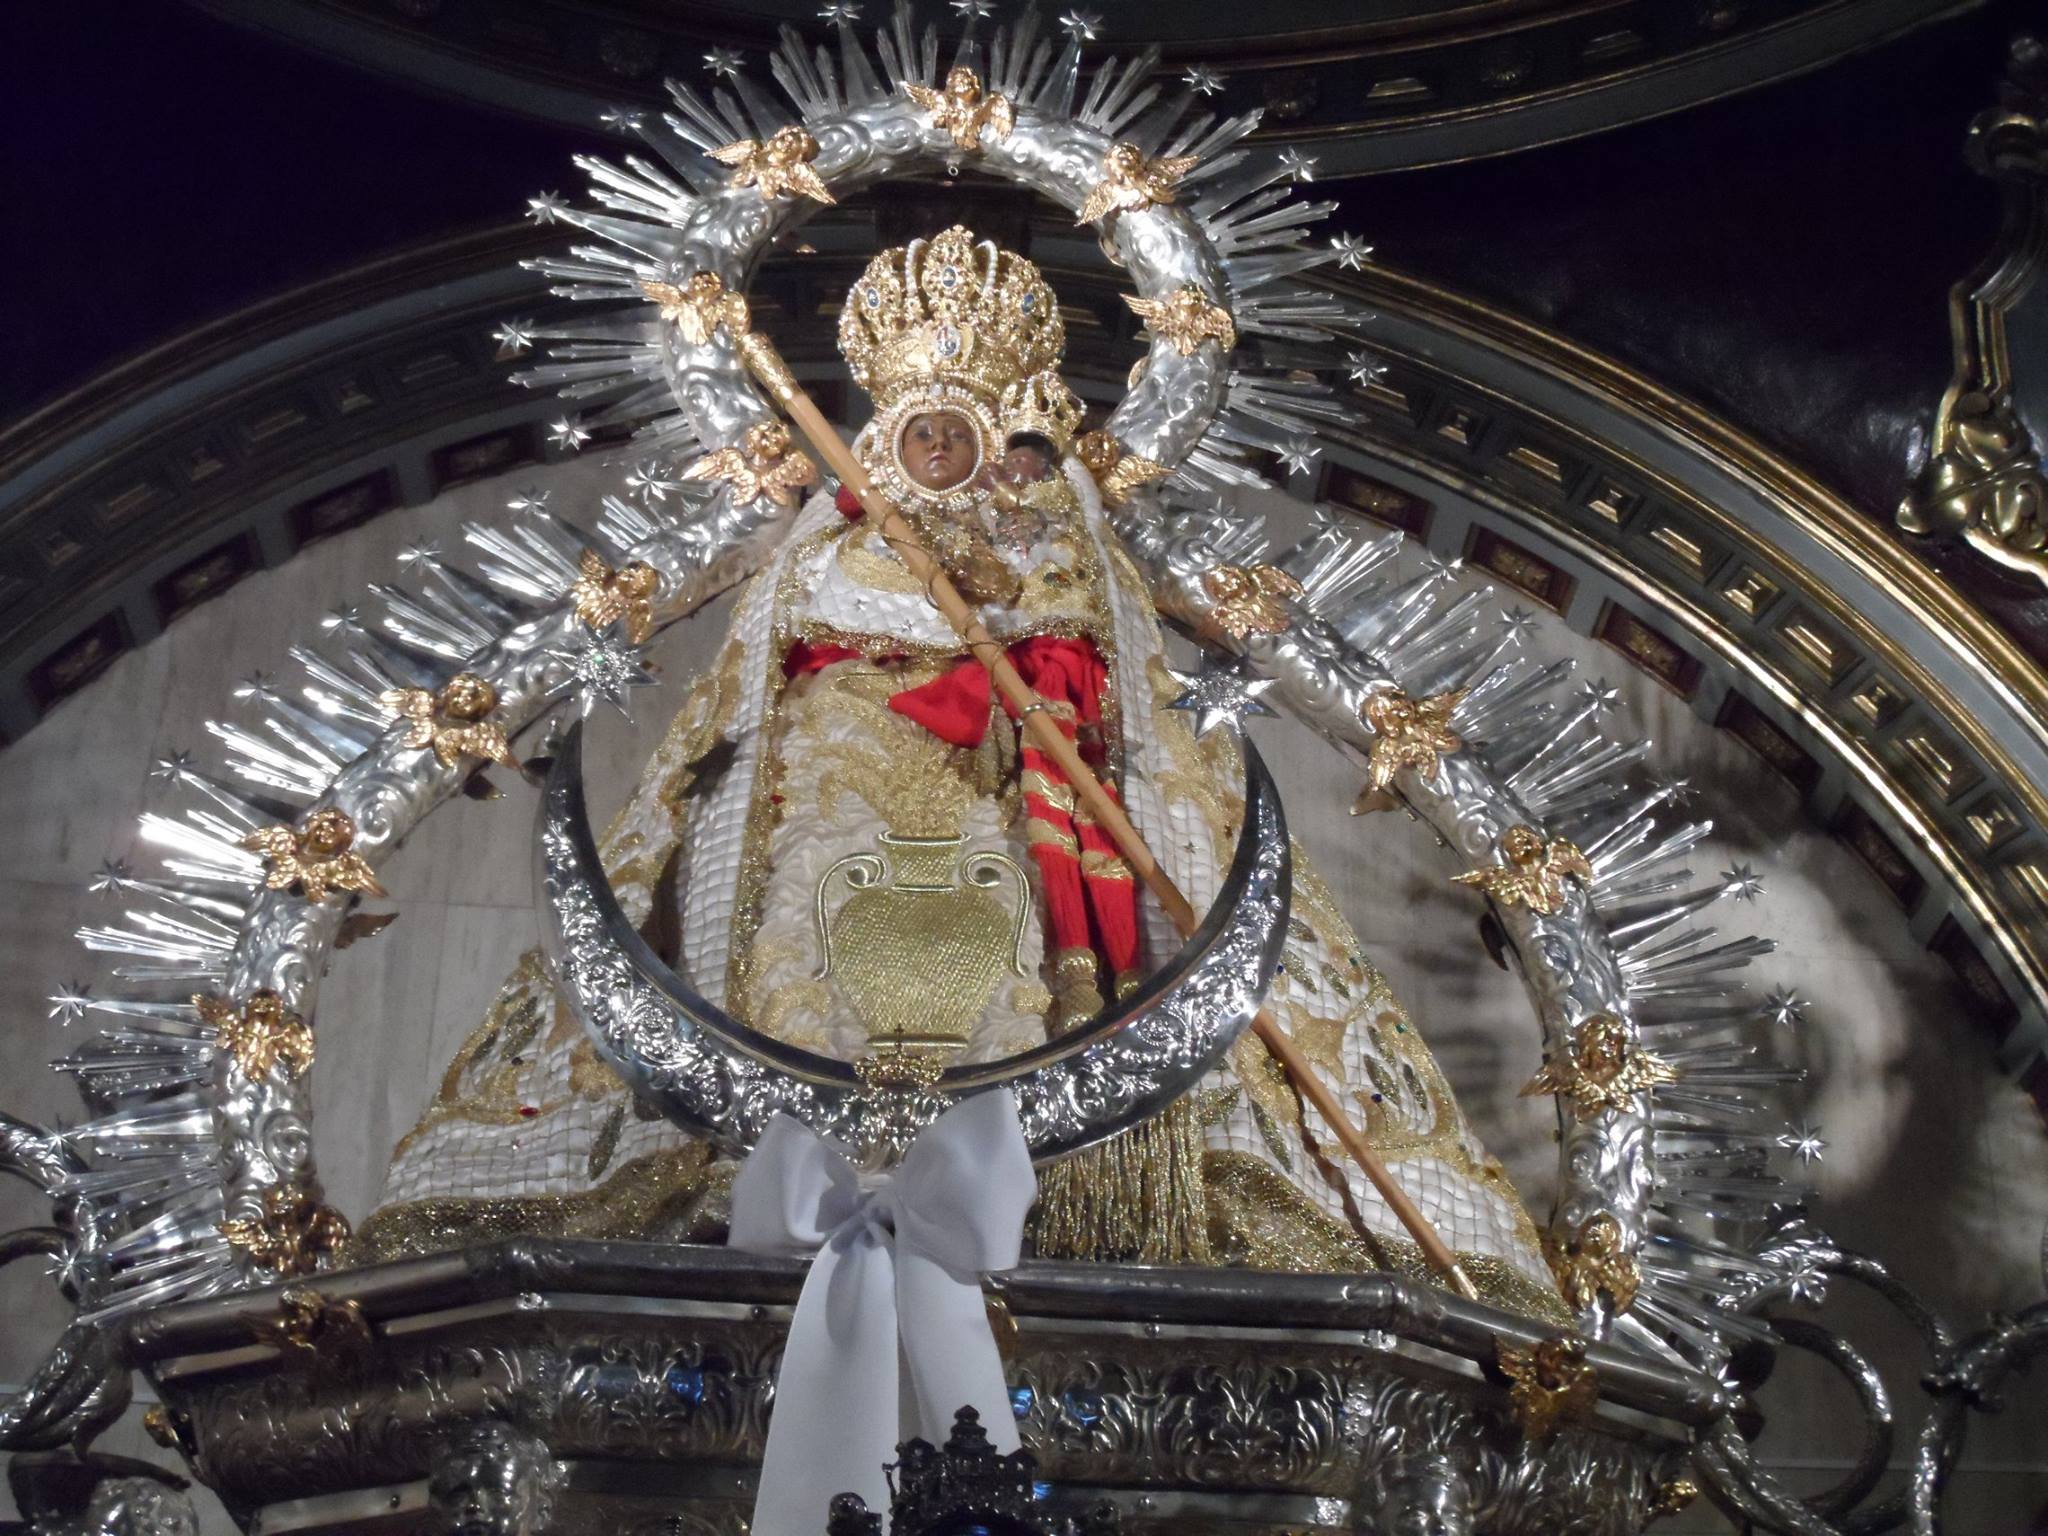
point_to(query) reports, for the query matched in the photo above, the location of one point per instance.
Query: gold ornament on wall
(602, 596)
(1594, 1262)
(1117, 471)
(1983, 482)
(1409, 733)
(1185, 319)
(451, 721)
(259, 1034)
(763, 465)
(1534, 873)
(780, 166)
(314, 857)
(1604, 1069)
(962, 110)
(294, 1233)
(1131, 181)
(697, 308)
(1550, 1383)
(1251, 599)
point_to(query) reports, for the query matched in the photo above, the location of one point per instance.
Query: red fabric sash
(1091, 900)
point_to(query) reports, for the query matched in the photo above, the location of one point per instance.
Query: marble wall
(1934, 1161)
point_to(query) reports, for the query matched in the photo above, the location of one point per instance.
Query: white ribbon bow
(908, 1244)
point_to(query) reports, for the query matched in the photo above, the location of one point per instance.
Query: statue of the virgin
(844, 841)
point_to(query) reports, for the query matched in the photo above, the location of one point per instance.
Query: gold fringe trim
(1258, 1219)
(1135, 1199)
(658, 1190)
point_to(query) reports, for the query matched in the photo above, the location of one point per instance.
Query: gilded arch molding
(1916, 728)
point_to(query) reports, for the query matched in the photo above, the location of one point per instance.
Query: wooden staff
(760, 355)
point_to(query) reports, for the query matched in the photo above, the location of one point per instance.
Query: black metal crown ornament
(964, 1488)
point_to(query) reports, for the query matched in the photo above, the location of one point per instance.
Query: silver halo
(720, 1079)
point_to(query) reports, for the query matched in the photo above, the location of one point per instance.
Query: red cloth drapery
(1091, 902)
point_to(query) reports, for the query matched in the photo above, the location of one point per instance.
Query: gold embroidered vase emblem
(921, 937)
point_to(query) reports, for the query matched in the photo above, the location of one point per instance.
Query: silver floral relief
(496, 1400)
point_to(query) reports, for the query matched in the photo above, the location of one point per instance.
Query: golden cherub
(1117, 470)
(1548, 1382)
(1604, 1069)
(294, 1232)
(700, 306)
(780, 168)
(1130, 182)
(603, 595)
(260, 1034)
(1185, 319)
(452, 721)
(1251, 599)
(961, 108)
(314, 856)
(764, 464)
(1533, 876)
(1409, 733)
(1595, 1261)
(310, 1329)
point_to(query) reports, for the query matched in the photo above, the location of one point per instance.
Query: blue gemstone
(1040, 1492)
(1084, 1407)
(686, 1384)
(1021, 1399)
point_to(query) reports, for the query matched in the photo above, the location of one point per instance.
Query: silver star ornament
(1742, 882)
(1351, 251)
(1224, 693)
(604, 667)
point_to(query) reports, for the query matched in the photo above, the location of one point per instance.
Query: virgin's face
(938, 450)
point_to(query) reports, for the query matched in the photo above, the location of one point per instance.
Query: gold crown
(1042, 404)
(949, 310)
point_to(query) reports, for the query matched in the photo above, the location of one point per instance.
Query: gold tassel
(1136, 1198)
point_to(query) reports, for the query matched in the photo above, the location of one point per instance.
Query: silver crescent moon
(718, 1079)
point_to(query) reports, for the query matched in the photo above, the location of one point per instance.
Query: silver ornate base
(623, 1387)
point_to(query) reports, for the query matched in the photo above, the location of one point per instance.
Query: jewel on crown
(953, 309)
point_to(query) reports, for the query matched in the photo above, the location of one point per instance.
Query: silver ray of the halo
(718, 1079)
(178, 1140)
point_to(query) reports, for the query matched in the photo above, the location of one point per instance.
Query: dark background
(1782, 256)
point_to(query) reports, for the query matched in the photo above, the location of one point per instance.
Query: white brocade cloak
(532, 1132)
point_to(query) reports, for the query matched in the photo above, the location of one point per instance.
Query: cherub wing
(738, 152)
(1103, 198)
(1566, 859)
(275, 843)
(485, 739)
(416, 707)
(1147, 310)
(804, 177)
(785, 479)
(1002, 115)
(924, 95)
(1161, 175)
(1435, 713)
(720, 464)
(1642, 1071)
